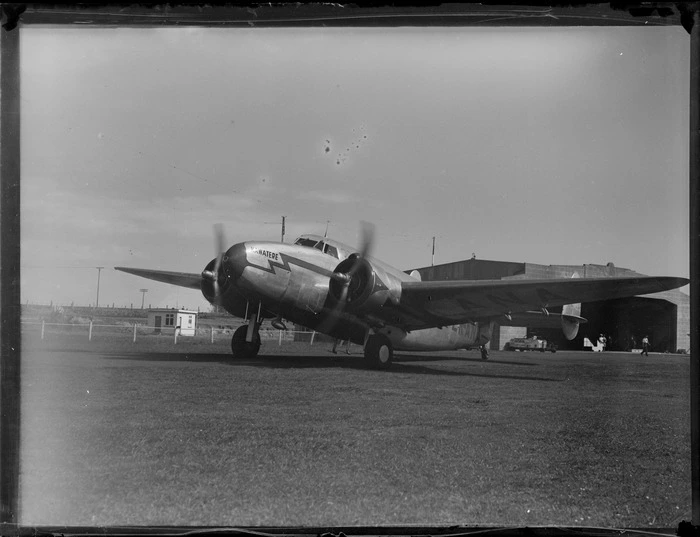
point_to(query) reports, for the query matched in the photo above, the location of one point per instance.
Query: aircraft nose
(236, 261)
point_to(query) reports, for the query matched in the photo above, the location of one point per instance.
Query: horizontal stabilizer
(574, 318)
(537, 319)
(183, 279)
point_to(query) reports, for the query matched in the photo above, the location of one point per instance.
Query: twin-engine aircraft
(344, 292)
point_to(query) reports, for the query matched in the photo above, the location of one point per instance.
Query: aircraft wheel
(242, 348)
(379, 352)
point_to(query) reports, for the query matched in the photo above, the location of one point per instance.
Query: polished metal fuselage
(292, 282)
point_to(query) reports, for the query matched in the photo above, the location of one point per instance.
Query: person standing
(645, 345)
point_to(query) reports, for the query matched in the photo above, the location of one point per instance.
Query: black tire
(242, 348)
(378, 352)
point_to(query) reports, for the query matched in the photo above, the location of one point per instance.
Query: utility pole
(283, 225)
(97, 301)
(143, 296)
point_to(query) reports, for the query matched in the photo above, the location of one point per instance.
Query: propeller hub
(341, 277)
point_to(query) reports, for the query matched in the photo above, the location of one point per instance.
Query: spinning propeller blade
(345, 278)
(219, 247)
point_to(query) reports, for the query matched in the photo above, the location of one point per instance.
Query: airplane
(346, 293)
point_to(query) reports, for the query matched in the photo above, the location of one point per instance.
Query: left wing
(183, 279)
(443, 303)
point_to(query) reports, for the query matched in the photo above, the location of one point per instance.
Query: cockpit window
(318, 245)
(331, 250)
(301, 241)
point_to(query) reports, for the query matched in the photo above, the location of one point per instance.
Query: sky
(539, 145)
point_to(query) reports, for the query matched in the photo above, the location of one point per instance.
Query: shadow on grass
(427, 358)
(404, 364)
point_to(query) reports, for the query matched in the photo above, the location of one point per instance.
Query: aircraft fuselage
(292, 282)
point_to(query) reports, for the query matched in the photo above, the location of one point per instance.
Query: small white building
(166, 320)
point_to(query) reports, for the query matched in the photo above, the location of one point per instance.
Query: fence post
(212, 334)
(42, 328)
(90, 332)
(313, 334)
(134, 332)
(280, 338)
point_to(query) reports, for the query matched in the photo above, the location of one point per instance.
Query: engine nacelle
(211, 291)
(370, 287)
(570, 320)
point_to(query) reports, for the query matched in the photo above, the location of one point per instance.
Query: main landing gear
(378, 351)
(245, 342)
(242, 348)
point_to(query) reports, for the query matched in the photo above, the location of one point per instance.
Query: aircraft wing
(183, 279)
(442, 303)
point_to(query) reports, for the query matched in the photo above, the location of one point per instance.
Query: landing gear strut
(245, 342)
(378, 351)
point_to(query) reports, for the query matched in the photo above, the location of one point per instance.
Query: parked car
(529, 344)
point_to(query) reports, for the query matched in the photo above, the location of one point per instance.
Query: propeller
(212, 275)
(347, 277)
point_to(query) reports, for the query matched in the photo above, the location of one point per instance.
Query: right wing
(443, 303)
(183, 279)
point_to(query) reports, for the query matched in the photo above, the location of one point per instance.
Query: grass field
(114, 433)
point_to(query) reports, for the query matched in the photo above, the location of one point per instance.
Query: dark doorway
(624, 322)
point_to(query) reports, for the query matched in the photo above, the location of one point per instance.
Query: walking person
(645, 345)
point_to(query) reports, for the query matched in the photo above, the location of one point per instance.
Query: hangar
(664, 317)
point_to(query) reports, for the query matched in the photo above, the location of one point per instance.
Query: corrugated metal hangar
(664, 317)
